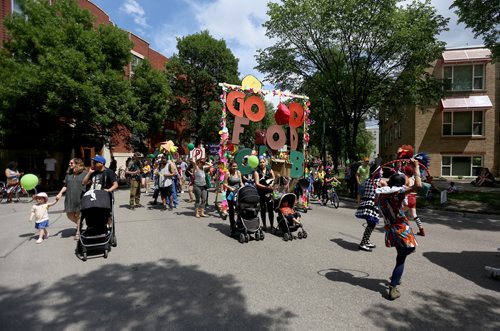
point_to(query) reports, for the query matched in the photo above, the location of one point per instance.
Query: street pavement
(172, 271)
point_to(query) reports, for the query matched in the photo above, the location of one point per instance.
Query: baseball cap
(99, 159)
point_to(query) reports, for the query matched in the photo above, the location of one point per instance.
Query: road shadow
(162, 295)
(65, 233)
(221, 227)
(356, 278)
(350, 246)
(437, 311)
(458, 221)
(469, 265)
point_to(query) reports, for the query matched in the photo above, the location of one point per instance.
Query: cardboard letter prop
(239, 96)
(296, 114)
(261, 109)
(275, 144)
(238, 128)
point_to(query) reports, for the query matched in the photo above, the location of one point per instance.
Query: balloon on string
(191, 146)
(253, 161)
(29, 182)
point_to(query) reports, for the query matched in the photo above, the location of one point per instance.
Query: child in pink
(40, 213)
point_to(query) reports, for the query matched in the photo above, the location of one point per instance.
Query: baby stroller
(286, 227)
(96, 208)
(248, 222)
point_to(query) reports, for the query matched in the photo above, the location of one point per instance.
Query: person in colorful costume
(398, 232)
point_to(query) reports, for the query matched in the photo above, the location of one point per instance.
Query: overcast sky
(238, 22)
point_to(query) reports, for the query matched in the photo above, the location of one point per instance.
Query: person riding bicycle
(13, 176)
(328, 182)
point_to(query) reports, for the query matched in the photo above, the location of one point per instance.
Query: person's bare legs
(41, 234)
(75, 218)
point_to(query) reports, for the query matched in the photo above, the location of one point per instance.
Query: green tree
(62, 79)
(201, 63)
(483, 17)
(361, 55)
(153, 94)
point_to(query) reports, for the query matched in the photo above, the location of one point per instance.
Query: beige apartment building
(462, 133)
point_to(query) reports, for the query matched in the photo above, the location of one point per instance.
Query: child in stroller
(288, 218)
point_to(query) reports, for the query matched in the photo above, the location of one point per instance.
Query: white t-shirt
(50, 164)
(40, 212)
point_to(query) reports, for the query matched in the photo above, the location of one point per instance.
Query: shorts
(412, 200)
(42, 225)
(164, 191)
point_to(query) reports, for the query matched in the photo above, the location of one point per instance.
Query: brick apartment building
(462, 133)
(140, 51)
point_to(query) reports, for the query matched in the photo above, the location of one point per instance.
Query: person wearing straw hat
(40, 214)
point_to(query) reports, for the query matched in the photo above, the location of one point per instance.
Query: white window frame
(475, 74)
(473, 168)
(12, 8)
(473, 112)
(137, 55)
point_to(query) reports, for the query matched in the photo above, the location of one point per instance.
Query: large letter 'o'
(275, 144)
(261, 109)
(239, 96)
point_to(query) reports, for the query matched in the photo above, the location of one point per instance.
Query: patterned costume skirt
(368, 211)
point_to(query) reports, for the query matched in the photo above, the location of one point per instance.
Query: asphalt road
(172, 271)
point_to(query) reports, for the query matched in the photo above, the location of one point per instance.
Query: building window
(16, 8)
(135, 62)
(463, 123)
(461, 165)
(464, 77)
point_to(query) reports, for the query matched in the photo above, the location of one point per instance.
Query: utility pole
(323, 151)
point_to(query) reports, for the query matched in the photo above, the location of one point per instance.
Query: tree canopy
(201, 63)
(63, 79)
(362, 56)
(483, 17)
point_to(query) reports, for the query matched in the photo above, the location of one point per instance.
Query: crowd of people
(390, 193)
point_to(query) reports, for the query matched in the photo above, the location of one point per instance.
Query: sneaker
(39, 241)
(371, 245)
(393, 293)
(46, 236)
(131, 207)
(364, 247)
(421, 232)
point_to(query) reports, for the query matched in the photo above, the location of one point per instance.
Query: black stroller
(286, 227)
(96, 209)
(247, 207)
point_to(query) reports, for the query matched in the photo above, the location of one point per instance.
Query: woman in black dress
(264, 179)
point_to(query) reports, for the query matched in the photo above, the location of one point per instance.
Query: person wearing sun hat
(99, 177)
(40, 214)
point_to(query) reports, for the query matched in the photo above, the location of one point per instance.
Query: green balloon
(29, 181)
(191, 146)
(253, 161)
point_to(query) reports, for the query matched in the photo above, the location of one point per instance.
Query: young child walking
(40, 214)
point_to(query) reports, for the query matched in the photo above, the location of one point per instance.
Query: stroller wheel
(273, 230)
(299, 235)
(113, 241)
(305, 210)
(105, 253)
(257, 236)
(262, 236)
(286, 237)
(84, 256)
(247, 238)
(241, 239)
(304, 234)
